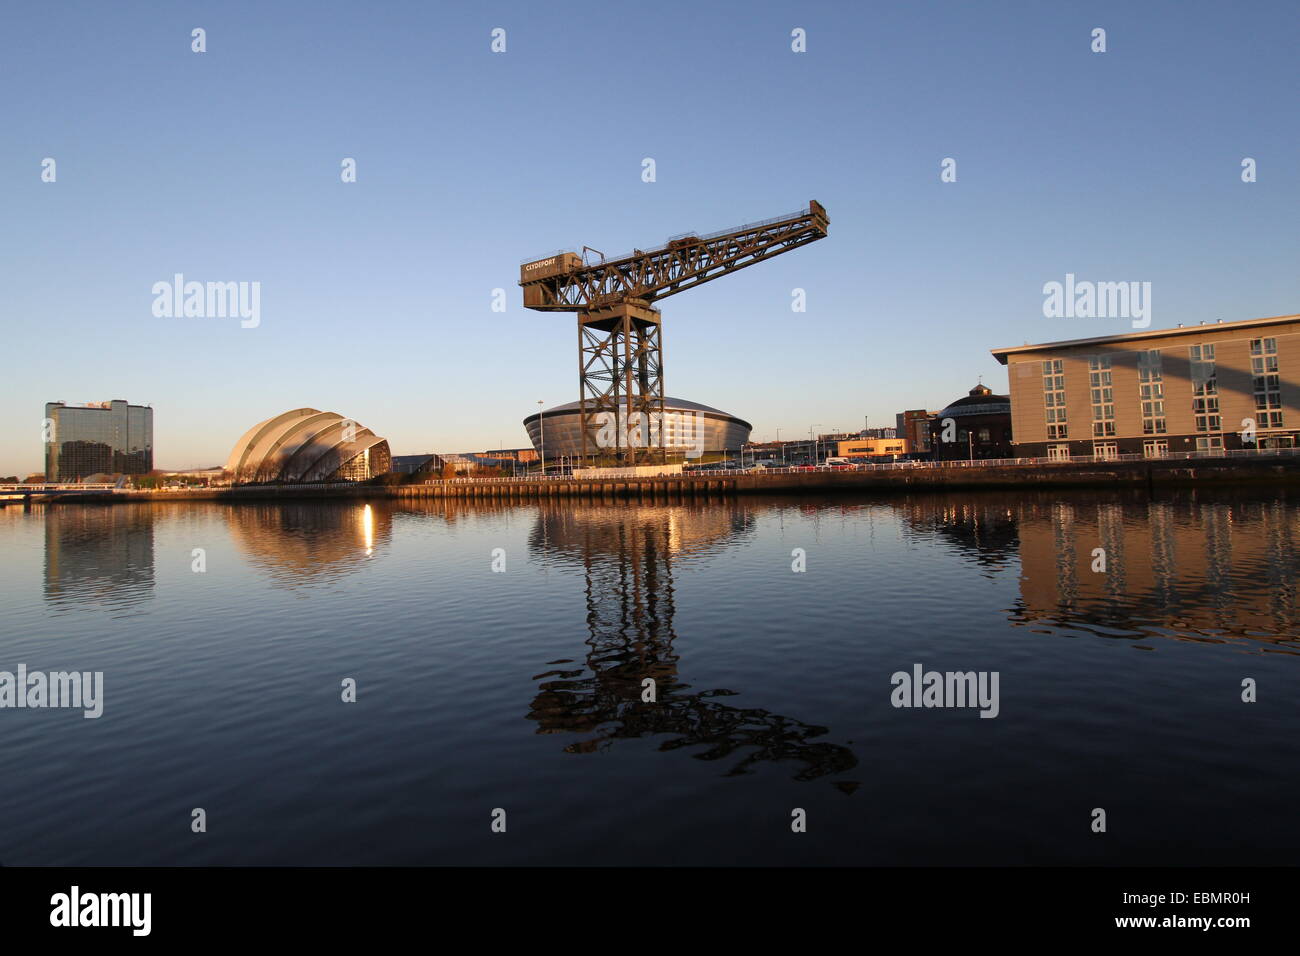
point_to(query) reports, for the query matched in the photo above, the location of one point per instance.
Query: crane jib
(564, 282)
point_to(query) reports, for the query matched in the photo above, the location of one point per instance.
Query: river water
(500, 654)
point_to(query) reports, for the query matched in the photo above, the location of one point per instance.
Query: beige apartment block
(1226, 385)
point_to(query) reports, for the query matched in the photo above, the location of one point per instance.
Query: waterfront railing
(1243, 453)
(57, 486)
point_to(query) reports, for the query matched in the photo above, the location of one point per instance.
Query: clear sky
(376, 295)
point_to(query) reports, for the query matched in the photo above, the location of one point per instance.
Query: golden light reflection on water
(296, 543)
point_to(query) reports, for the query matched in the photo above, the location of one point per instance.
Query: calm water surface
(521, 689)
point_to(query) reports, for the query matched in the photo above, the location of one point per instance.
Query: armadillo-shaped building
(306, 444)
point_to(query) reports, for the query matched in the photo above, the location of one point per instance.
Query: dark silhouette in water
(627, 559)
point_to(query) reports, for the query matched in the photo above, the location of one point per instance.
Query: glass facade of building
(105, 438)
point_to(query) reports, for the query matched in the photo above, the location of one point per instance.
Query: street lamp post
(813, 442)
(541, 421)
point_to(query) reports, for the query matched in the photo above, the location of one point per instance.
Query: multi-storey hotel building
(1229, 385)
(98, 438)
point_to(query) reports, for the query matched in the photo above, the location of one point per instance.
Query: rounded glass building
(689, 428)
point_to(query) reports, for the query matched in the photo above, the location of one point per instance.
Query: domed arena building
(306, 444)
(685, 424)
(981, 427)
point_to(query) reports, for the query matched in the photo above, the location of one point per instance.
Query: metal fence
(58, 486)
(706, 472)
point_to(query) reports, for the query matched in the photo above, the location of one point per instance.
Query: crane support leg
(620, 383)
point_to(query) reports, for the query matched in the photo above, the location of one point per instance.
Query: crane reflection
(629, 559)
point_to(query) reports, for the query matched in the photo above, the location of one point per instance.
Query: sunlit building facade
(109, 438)
(914, 425)
(872, 447)
(1203, 388)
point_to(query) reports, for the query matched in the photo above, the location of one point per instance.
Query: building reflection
(100, 556)
(1188, 567)
(629, 558)
(297, 543)
(984, 530)
(1192, 565)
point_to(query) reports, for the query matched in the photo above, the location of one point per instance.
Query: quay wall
(1131, 474)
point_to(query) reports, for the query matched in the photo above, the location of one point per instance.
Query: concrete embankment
(1130, 474)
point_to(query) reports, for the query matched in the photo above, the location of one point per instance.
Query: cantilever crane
(620, 357)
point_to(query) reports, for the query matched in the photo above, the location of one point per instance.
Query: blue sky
(376, 295)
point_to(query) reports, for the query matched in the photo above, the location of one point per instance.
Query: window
(1151, 390)
(1209, 443)
(1156, 448)
(1103, 395)
(1268, 385)
(984, 435)
(1058, 452)
(1054, 397)
(1104, 451)
(1205, 390)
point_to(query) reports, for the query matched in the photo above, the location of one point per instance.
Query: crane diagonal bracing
(620, 356)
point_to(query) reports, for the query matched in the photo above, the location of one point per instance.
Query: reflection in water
(678, 594)
(1189, 566)
(100, 555)
(985, 531)
(627, 556)
(296, 543)
(1184, 568)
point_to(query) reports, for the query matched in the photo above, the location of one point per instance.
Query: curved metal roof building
(980, 400)
(306, 444)
(687, 425)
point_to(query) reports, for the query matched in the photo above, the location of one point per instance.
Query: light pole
(813, 442)
(541, 421)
